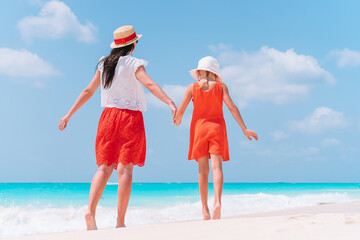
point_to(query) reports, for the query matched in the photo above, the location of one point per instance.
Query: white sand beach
(328, 221)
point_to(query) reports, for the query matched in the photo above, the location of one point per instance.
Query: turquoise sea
(28, 208)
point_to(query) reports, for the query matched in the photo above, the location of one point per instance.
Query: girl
(120, 141)
(208, 138)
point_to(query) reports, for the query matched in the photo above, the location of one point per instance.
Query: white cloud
(347, 58)
(279, 135)
(269, 74)
(175, 92)
(22, 63)
(330, 142)
(320, 120)
(56, 20)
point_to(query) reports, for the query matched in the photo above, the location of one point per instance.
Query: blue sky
(291, 67)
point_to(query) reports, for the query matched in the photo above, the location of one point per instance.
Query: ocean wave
(17, 221)
(112, 183)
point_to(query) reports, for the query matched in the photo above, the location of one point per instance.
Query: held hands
(176, 122)
(248, 133)
(63, 122)
(176, 119)
(173, 109)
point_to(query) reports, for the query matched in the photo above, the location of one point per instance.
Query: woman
(120, 141)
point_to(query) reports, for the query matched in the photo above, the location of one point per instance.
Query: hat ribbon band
(126, 39)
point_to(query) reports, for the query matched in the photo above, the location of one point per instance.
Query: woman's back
(125, 92)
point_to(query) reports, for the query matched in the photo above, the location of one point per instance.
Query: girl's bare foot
(90, 222)
(206, 213)
(120, 222)
(217, 211)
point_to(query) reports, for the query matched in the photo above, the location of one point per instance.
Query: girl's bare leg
(124, 191)
(98, 185)
(218, 180)
(203, 163)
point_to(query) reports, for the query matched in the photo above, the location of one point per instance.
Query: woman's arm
(235, 113)
(183, 105)
(155, 89)
(85, 95)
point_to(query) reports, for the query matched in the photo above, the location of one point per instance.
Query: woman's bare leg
(98, 185)
(124, 191)
(218, 180)
(203, 163)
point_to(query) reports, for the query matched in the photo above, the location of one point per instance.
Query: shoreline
(325, 208)
(326, 221)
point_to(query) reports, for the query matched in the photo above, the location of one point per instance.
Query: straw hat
(124, 36)
(207, 64)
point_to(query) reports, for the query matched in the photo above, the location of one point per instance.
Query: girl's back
(207, 104)
(208, 128)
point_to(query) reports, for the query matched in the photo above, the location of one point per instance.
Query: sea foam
(24, 220)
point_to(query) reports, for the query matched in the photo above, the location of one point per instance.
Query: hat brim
(195, 75)
(113, 45)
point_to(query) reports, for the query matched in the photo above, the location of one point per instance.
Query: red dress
(120, 138)
(208, 128)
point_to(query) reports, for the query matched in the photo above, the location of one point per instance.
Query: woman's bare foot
(217, 211)
(120, 226)
(206, 213)
(90, 222)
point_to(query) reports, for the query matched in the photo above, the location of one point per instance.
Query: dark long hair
(110, 63)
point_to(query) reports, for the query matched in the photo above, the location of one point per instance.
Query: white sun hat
(207, 64)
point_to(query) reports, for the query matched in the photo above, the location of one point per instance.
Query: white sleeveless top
(125, 92)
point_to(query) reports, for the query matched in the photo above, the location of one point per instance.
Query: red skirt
(120, 138)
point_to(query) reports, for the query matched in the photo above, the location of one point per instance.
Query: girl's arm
(85, 95)
(183, 105)
(236, 114)
(155, 89)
